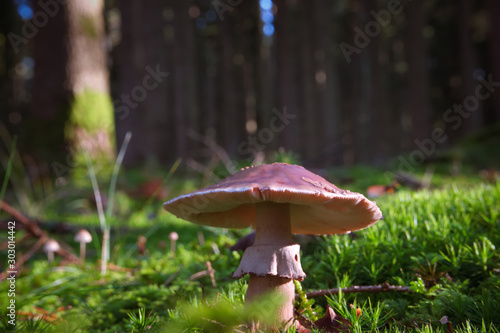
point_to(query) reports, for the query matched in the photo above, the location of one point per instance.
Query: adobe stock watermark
(249, 148)
(11, 273)
(30, 28)
(219, 8)
(139, 93)
(257, 143)
(372, 29)
(454, 118)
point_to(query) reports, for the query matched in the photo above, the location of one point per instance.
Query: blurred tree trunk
(416, 45)
(227, 94)
(208, 88)
(244, 27)
(91, 125)
(377, 135)
(12, 99)
(286, 94)
(468, 63)
(71, 101)
(327, 84)
(357, 139)
(181, 76)
(154, 107)
(141, 103)
(309, 127)
(128, 68)
(251, 44)
(50, 101)
(493, 8)
(266, 88)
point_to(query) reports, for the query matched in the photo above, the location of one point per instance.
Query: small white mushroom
(83, 237)
(173, 238)
(50, 247)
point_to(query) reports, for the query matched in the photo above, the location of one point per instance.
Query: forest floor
(439, 243)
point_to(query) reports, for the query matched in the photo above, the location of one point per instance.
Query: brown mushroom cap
(316, 205)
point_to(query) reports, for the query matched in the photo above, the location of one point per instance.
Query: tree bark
(180, 76)
(228, 116)
(327, 91)
(416, 44)
(49, 109)
(493, 8)
(141, 68)
(309, 128)
(468, 62)
(91, 116)
(356, 138)
(379, 119)
(285, 58)
(154, 108)
(128, 72)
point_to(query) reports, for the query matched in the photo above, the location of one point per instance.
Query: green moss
(92, 111)
(91, 120)
(89, 26)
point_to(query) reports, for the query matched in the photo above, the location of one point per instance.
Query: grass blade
(8, 169)
(116, 170)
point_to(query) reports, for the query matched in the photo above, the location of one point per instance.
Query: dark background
(361, 81)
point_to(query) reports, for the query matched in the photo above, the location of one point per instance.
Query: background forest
(336, 82)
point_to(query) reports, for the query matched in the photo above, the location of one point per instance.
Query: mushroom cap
(316, 205)
(173, 236)
(51, 246)
(83, 236)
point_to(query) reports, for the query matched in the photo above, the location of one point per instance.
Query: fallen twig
(25, 257)
(31, 226)
(210, 271)
(33, 230)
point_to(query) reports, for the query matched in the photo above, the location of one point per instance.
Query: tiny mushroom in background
(50, 247)
(83, 237)
(173, 238)
(277, 200)
(141, 245)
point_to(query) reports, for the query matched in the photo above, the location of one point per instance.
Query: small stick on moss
(201, 238)
(34, 230)
(200, 274)
(357, 289)
(211, 272)
(31, 226)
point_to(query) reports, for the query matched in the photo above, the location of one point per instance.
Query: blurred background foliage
(334, 82)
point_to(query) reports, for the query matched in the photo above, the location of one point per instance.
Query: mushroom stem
(282, 287)
(272, 224)
(272, 227)
(50, 256)
(82, 252)
(172, 247)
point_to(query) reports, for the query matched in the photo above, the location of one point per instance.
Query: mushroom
(83, 237)
(50, 247)
(276, 200)
(141, 245)
(173, 238)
